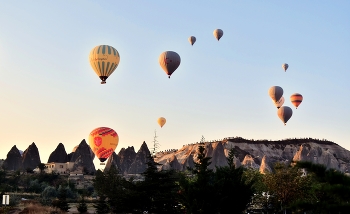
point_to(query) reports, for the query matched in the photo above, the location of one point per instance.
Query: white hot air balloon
(284, 113)
(218, 33)
(276, 92)
(279, 103)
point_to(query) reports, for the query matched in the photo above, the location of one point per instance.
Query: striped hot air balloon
(285, 67)
(103, 141)
(104, 59)
(296, 99)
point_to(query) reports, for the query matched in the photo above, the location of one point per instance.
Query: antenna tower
(202, 140)
(156, 145)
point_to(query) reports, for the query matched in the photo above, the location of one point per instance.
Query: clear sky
(50, 94)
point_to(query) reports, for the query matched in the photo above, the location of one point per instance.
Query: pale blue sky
(50, 94)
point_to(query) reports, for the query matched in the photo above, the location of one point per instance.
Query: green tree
(61, 201)
(232, 187)
(197, 191)
(48, 195)
(287, 185)
(158, 192)
(82, 207)
(41, 167)
(101, 206)
(330, 190)
(114, 188)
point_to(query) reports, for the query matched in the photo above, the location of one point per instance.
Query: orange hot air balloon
(296, 99)
(161, 121)
(103, 141)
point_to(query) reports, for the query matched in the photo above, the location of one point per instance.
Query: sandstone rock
(265, 165)
(218, 157)
(127, 157)
(139, 165)
(13, 160)
(59, 155)
(171, 164)
(82, 158)
(114, 160)
(31, 157)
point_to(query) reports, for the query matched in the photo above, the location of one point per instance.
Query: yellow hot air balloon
(104, 59)
(276, 93)
(285, 67)
(279, 103)
(169, 61)
(192, 40)
(161, 121)
(218, 33)
(296, 99)
(103, 141)
(285, 113)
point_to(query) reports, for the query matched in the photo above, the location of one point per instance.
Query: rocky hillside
(260, 154)
(128, 161)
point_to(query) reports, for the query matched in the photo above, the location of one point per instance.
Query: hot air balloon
(169, 61)
(285, 67)
(284, 113)
(218, 33)
(104, 59)
(296, 99)
(192, 40)
(279, 103)
(161, 121)
(276, 93)
(103, 141)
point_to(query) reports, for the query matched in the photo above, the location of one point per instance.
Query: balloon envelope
(192, 40)
(296, 99)
(104, 59)
(275, 92)
(279, 103)
(161, 121)
(103, 141)
(284, 113)
(218, 33)
(285, 67)
(169, 61)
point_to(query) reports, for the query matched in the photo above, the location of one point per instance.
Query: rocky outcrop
(59, 155)
(139, 165)
(114, 160)
(31, 157)
(218, 157)
(263, 154)
(265, 166)
(171, 164)
(13, 160)
(127, 157)
(82, 158)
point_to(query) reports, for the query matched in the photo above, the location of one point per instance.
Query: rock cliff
(13, 160)
(59, 155)
(31, 157)
(261, 154)
(82, 158)
(139, 164)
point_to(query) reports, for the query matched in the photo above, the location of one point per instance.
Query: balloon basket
(102, 164)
